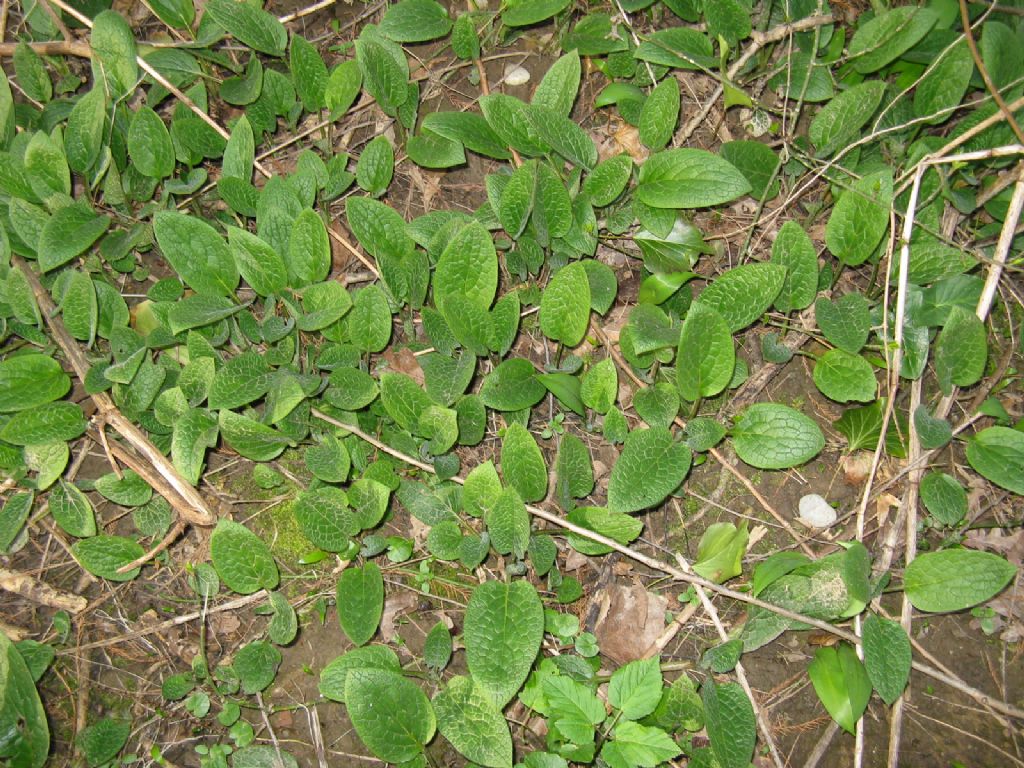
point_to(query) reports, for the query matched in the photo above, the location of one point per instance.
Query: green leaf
(522, 13)
(195, 251)
(149, 144)
(841, 683)
(45, 423)
(342, 87)
(415, 21)
(943, 87)
(608, 179)
(943, 497)
(80, 307)
(175, 13)
(252, 439)
(689, 178)
(729, 19)
(843, 117)
(573, 467)
(403, 399)
(997, 454)
(464, 39)
(30, 380)
(575, 710)
(843, 377)
(329, 459)
(360, 598)
(599, 386)
(731, 725)
(635, 688)
(241, 380)
(256, 665)
(860, 218)
(100, 742)
(651, 466)
(502, 632)
(354, 389)
(523, 465)
(384, 68)
(250, 24)
(46, 168)
(258, 263)
(390, 713)
(615, 525)
(564, 136)
(309, 73)
(102, 556)
(68, 233)
(468, 718)
(323, 304)
(794, 250)
(639, 745)
(83, 137)
(31, 73)
(773, 436)
(744, 293)
(309, 250)
(334, 676)
(199, 310)
(324, 516)
(888, 35)
(13, 516)
(931, 431)
(508, 524)
(369, 321)
(467, 128)
(243, 561)
(130, 490)
(193, 432)
(113, 54)
(517, 199)
(482, 489)
(706, 356)
(510, 119)
(22, 717)
(512, 386)
(758, 163)
(660, 114)
(887, 657)
(560, 84)
(961, 350)
(376, 166)
(468, 268)
(72, 510)
(565, 305)
(846, 321)
(955, 579)
(720, 552)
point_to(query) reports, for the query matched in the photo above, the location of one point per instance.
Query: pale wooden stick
(40, 592)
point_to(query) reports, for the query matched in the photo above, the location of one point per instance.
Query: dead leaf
(856, 467)
(395, 606)
(630, 620)
(994, 540)
(404, 361)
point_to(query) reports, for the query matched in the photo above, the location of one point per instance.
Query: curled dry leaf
(630, 620)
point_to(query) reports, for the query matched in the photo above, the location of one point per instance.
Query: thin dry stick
(185, 499)
(50, 48)
(965, 19)
(176, 530)
(690, 578)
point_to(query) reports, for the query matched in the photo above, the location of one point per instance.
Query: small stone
(815, 512)
(517, 76)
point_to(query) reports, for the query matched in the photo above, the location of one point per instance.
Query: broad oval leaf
(845, 115)
(565, 305)
(794, 250)
(243, 561)
(502, 632)
(21, 711)
(325, 518)
(468, 718)
(955, 579)
(888, 35)
(841, 683)
(660, 114)
(512, 386)
(258, 263)
(774, 436)
(390, 713)
(730, 721)
(706, 357)
(887, 657)
(843, 377)
(468, 268)
(250, 24)
(744, 293)
(33, 379)
(103, 555)
(997, 453)
(196, 252)
(689, 178)
(360, 602)
(149, 144)
(860, 218)
(651, 466)
(523, 465)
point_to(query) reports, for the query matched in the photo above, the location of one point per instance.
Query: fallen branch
(40, 592)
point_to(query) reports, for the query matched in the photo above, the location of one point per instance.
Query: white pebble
(816, 512)
(517, 76)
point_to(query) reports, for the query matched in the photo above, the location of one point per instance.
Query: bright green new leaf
(639, 745)
(342, 87)
(502, 632)
(149, 144)
(706, 356)
(774, 436)
(369, 321)
(468, 267)
(257, 261)
(523, 465)
(961, 350)
(113, 54)
(720, 552)
(512, 386)
(599, 386)
(608, 179)
(376, 166)
(467, 717)
(193, 432)
(617, 526)
(955, 579)
(557, 89)
(309, 73)
(841, 683)
(635, 688)
(252, 439)
(887, 657)
(415, 21)
(21, 711)
(652, 465)
(574, 709)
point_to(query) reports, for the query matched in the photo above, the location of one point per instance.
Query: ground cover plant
(617, 384)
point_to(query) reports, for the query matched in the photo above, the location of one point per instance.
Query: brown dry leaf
(402, 360)
(627, 139)
(994, 540)
(856, 467)
(395, 606)
(883, 504)
(225, 624)
(630, 621)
